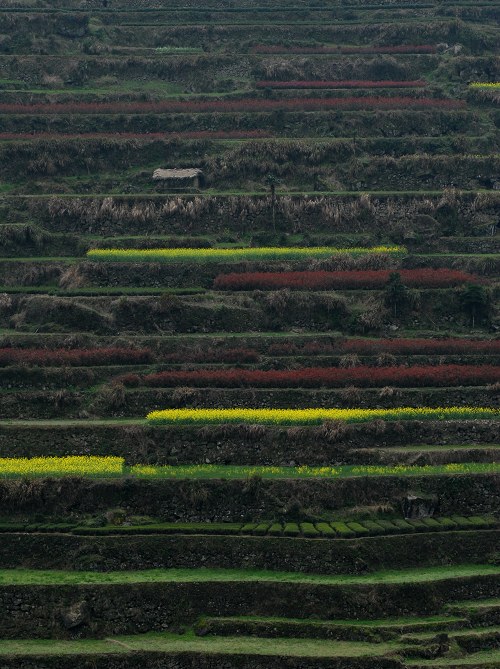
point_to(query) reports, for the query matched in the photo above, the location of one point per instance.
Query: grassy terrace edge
(167, 643)
(203, 575)
(115, 467)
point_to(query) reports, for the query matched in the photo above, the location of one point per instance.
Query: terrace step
(173, 490)
(330, 530)
(469, 641)
(372, 630)
(482, 660)
(480, 612)
(424, 454)
(184, 651)
(162, 599)
(42, 405)
(66, 550)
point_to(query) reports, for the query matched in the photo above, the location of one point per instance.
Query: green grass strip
(394, 576)
(385, 623)
(176, 643)
(485, 659)
(115, 467)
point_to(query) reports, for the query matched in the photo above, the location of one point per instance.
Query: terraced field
(249, 412)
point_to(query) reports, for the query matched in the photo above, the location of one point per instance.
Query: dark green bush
(358, 528)
(308, 530)
(276, 530)
(291, 530)
(403, 525)
(261, 529)
(390, 527)
(462, 522)
(343, 530)
(325, 529)
(418, 525)
(447, 523)
(374, 527)
(248, 528)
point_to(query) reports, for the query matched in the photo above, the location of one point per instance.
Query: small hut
(189, 177)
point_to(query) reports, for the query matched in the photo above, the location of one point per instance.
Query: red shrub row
(74, 357)
(286, 348)
(421, 346)
(322, 280)
(393, 346)
(314, 377)
(120, 356)
(193, 134)
(423, 48)
(230, 355)
(236, 105)
(348, 83)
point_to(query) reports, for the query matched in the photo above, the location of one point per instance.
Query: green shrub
(308, 530)
(291, 530)
(57, 527)
(358, 528)
(261, 529)
(276, 530)
(403, 525)
(462, 522)
(248, 528)
(390, 527)
(92, 530)
(325, 529)
(156, 528)
(343, 531)
(214, 528)
(373, 527)
(481, 521)
(432, 524)
(12, 527)
(418, 525)
(447, 523)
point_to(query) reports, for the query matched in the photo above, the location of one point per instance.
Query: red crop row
(348, 83)
(230, 355)
(421, 346)
(322, 280)
(120, 356)
(314, 377)
(193, 134)
(244, 104)
(394, 346)
(74, 357)
(423, 48)
(112, 356)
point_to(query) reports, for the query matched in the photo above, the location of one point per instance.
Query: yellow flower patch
(314, 416)
(231, 255)
(75, 465)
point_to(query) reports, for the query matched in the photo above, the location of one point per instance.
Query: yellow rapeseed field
(74, 465)
(306, 471)
(231, 255)
(87, 466)
(314, 416)
(485, 84)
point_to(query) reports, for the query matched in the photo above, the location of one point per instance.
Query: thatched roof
(187, 173)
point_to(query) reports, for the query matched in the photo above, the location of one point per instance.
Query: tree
(474, 301)
(396, 294)
(272, 181)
